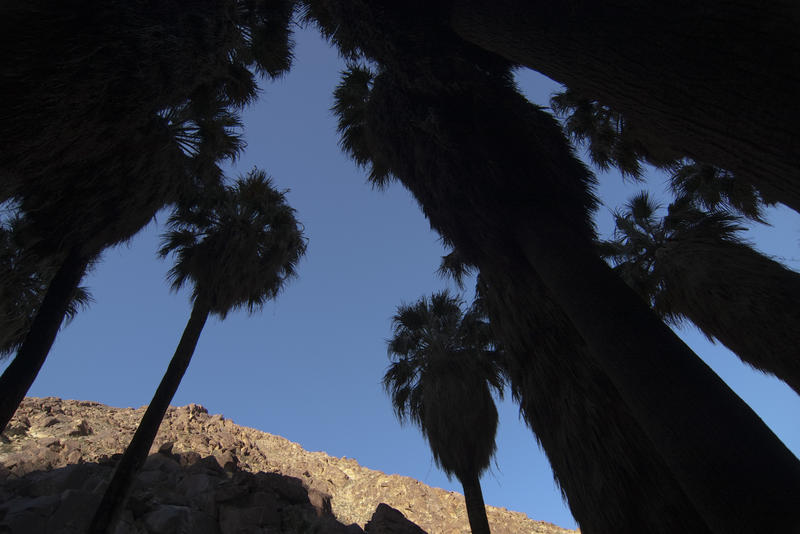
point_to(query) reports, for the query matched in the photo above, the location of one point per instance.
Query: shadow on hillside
(176, 493)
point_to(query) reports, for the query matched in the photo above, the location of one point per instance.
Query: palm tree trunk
(135, 455)
(476, 509)
(715, 80)
(611, 474)
(737, 472)
(19, 376)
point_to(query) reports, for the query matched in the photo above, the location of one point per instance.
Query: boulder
(387, 520)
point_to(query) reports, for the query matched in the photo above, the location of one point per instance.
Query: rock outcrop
(209, 475)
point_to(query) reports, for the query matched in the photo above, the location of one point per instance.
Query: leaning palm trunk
(687, 411)
(742, 298)
(496, 177)
(476, 508)
(611, 475)
(725, 95)
(116, 494)
(20, 375)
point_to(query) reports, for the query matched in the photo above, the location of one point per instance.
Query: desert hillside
(209, 475)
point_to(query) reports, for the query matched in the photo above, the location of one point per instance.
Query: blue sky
(309, 366)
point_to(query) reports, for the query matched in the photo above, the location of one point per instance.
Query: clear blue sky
(309, 366)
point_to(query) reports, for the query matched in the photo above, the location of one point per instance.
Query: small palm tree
(238, 252)
(441, 379)
(693, 265)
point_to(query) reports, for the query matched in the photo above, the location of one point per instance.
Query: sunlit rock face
(206, 474)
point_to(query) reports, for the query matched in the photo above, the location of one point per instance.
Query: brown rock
(212, 463)
(226, 460)
(387, 520)
(81, 428)
(187, 458)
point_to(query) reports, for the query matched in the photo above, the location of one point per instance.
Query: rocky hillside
(208, 475)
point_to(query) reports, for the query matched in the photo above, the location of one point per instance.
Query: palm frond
(351, 99)
(455, 267)
(714, 189)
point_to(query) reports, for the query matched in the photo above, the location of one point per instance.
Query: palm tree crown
(693, 265)
(240, 252)
(643, 241)
(441, 377)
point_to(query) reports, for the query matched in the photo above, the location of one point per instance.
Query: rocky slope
(208, 475)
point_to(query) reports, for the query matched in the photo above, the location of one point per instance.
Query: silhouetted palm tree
(89, 180)
(609, 472)
(76, 215)
(441, 378)
(25, 278)
(496, 177)
(710, 88)
(693, 265)
(237, 250)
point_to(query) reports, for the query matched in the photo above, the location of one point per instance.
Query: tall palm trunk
(19, 376)
(715, 80)
(612, 476)
(135, 455)
(736, 471)
(476, 508)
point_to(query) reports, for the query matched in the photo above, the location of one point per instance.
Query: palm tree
(237, 252)
(86, 179)
(711, 88)
(441, 378)
(609, 472)
(693, 265)
(25, 278)
(73, 218)
(496, 178)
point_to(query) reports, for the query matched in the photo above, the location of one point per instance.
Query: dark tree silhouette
(713, 80)
(25, 278)
(238, 249)
(75, 218)
(609, 472)
(495, 177)
(693, 265)
(441, 378)
(87, 179)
